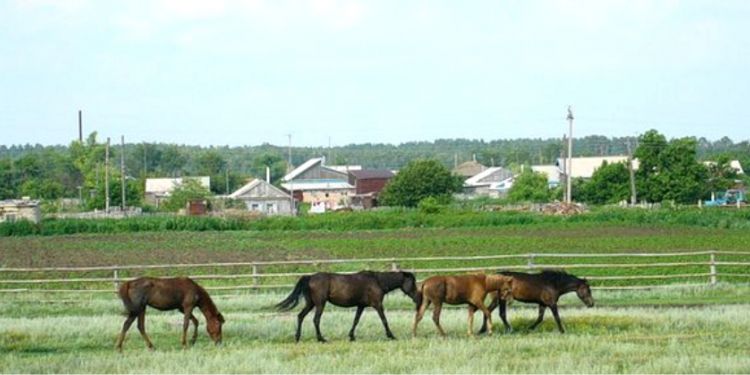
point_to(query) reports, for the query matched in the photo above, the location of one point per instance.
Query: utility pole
(122, 171)
(633, 196)
(568, 197)
(564, 167)
(291, 183)
(106, 177)
(145, 162)
(226, 179)
(80, 126)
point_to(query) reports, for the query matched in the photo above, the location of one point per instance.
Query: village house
(584, 167)
(262, 197)
(494, 182)
(20, 209)
(158, 189)
(368, 183)
(322, 187)
(469, 169)
(552, 172)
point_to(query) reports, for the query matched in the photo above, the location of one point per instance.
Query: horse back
(159, 293)
(530, 287)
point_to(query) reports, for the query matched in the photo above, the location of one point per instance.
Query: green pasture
(248, 246)
(624, 333)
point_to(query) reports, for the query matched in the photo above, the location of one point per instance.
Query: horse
(456, 290)
(544, 289)
(360, 290)
(180, 293)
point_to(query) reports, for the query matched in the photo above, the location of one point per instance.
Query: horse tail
(291, 301)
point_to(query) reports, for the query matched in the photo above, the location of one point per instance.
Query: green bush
(429, 214)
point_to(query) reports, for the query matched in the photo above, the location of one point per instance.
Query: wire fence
(670, 270)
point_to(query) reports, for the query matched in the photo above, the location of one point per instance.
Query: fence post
(255, 276)
(712, 267)
(530, 262)
(394, 266)
(116, 280)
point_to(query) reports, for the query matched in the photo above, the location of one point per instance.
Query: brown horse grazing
(544, 289)
(168, 294)
(456, 290)
(361, 289)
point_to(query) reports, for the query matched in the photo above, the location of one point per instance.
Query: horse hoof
(322, 340)
(351, 338)
(391, 337)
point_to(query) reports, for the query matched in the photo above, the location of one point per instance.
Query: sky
(226, 72)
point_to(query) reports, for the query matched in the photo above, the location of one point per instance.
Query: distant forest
(58, 171)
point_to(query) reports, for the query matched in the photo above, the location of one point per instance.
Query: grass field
(46, 333)
(673, 330)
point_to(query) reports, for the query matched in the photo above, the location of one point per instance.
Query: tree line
(77, 170)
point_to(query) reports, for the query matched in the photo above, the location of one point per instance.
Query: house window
(10, 218)
(326, 195)
(254, 207)
(270, 208)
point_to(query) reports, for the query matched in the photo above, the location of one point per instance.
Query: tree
(669, 171)
(418, 180)
(273, 161)
(609, 184)
(530, 186)
(190, 189)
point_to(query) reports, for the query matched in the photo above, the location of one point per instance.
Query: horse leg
(557, 318)
(472, 310)
(356, 321)
(419, 315)
(316, 319)
(487, 315)
(540, 318)
(187, 313)
(503, 311)
(142, 329)
(125, 327)
(491, 307)
(301, 317)
(436, 317)
(381, 313)
(195, 331)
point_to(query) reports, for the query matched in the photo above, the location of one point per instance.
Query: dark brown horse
(180, 293)
(544, 289)
(359, 290)
(456, 290)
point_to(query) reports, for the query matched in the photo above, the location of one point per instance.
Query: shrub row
(386, 219)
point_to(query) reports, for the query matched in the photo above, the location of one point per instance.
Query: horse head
(409, 284)
(213, 326)
(584, 292)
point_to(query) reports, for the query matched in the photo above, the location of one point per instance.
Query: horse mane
(559, 278)
(205, 302)
(387, 281)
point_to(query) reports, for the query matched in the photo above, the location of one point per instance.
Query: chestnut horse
(362, 289)
(180, 293)
(544, 289)
(456, 290)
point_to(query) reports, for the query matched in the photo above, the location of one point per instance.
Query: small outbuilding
(20, 209)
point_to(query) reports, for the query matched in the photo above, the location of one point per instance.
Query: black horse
(361, 289)
(544, 289)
